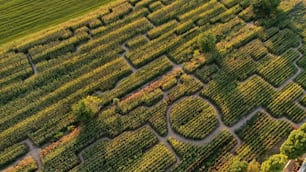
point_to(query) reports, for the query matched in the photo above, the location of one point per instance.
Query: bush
(86, 108)
(275, 163)
(238, 166)
(265, 6)
(207, 42)
(295, 145)
(254, 166)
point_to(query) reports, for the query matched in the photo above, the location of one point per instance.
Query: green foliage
(266, 6)
(260, 134)
(207, 42)
(193, 117)
(195, 157)
(254, 166)
(10, 154)
(123, 152)
(238, 166)
(86, 108)
(275, 163)
(295, 145)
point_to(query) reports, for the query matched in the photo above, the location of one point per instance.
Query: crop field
(19, 18)
(162, 105)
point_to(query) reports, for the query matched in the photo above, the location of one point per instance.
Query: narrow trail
(29, 57)
(125, 59)
(90, 33)
(171, 133)
(33, 152)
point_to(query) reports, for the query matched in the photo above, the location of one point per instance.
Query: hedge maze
(164, 104)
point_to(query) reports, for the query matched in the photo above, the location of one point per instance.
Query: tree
(238, 166)
(265, 6)
(86, 108)
(275, 163)
(295, 145)
(207, 42)
(254, 166)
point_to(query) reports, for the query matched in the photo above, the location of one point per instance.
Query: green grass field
(19, 18)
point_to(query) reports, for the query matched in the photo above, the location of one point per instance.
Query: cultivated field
(19, 18)
(163, 106)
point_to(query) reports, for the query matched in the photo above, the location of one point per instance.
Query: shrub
(275, 163)
(86, 108)
(295, 145)
(254, 166)
(238, 166)
(207, 42)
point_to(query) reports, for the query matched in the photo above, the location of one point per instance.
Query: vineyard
(160, 103)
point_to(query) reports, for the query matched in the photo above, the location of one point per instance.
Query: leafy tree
(254, 166)
(265, 6)
(207, 42)
(275, 163)
(295, 145)
(86, 108)
(238, 166)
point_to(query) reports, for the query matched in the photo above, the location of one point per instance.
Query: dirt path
(171, 133)
(33, 152)
(29, 57)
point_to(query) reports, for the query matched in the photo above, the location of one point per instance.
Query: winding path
(34, 151)
(221, 126)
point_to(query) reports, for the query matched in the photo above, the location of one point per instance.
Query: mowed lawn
(22, 17)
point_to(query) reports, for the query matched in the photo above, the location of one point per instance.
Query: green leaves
(275, 163)
(266, 6)
(207, 42)
(86, 108)
(238, 166)
(295, 145)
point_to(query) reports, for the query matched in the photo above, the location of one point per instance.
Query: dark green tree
(265, 6)
(238, 166)
(295, 145)
(207, 42)
(86, 108)
(275, 163)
